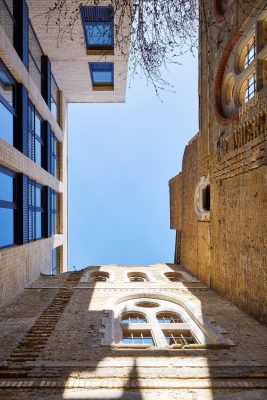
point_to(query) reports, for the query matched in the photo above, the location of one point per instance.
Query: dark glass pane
(38, 153)
(6, 188)
(38, 225)
(6, 86)
(31, 222)
(6, 227)
(6, 125)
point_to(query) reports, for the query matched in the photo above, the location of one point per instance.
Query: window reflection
(7, 207)
(7, 105)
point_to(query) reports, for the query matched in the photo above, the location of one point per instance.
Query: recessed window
(169, 318)
(35, 136)
(8, 207)
(137, 337)
(250, 52)
(250, 89)
(54, 156)
(36, 211)
(181, 337)
(206, 198)
(147, 304)
(133, 318)
(98, 26)
(7, 105)
(102, 75)
(54, 98)
(55, 213)
(99, 276)
(56, 254)
(137, 277)
(173, 276)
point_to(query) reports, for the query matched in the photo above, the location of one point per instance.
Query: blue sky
(121, 157)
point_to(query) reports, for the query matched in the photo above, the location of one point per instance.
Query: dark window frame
(33, 136)
(53, 100)
(11, 109)
(92, 69)
(33, 209)
(54, 213)
(107, 18)
(54, 156)
(12, 205)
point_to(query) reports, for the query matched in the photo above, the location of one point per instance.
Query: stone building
(218, 201)
(129, 333)
(39, 76)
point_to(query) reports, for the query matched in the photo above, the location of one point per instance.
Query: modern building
(129, 333)
(40, 73)
(218, 201)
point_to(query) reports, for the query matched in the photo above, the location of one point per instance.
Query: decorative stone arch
(206, 334)
(88, 277)
(134, 273)
(201, 193)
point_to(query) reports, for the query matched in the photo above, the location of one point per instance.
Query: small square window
(102, 76)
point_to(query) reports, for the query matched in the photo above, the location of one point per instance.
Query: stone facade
(225, 246)
(55, 335)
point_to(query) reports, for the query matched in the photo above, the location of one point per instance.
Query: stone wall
(71, 360)
(228, 250)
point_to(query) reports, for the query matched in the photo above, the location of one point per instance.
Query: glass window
(54, 156)
(137, 337)
(35, 131)
(173, 276)
(7, 207)
(55, 213)
(54, 98)
(133, 318)
(55, 268)
(169, 318)
(98, 25)
(36, 211)
(182, 337)
(250, 88)
(251, 53)
(7, 105)
(102, 74)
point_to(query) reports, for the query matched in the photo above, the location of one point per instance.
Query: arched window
(133, 323)
(137, 277)
(173, 276)
(99, 276)
(169, 318)
(133, 318)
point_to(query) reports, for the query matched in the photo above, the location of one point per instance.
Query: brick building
(218, 201)
(129, 333)
(39, 76)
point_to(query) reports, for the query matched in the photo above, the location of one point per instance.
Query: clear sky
(121, 157)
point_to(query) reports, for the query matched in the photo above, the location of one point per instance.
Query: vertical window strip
(36, 211)
(35, 135)
(250, 88)
(8, 207)
(251, 53)
(54, 212)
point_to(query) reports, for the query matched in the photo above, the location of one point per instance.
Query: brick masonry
(228, 252)
(72, 358)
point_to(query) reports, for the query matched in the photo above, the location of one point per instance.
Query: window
(250, 89)
(250, 52)
(54, 99)
(56, 253)
(35, 58)
(7, 105)
(99, 276)
(169, 318)
(35, 136)
(183, 337)
(36, 211)
(54, 156)
(102, 75)
(55, 213)
(137, 277)
(133, 318)
(206, 198)
(173, 276)
(98, 26)
(137, 337)
(8, 207)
